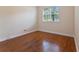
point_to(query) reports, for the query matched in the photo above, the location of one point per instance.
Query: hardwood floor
(39, 42)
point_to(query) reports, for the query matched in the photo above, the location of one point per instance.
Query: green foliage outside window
(51, 13)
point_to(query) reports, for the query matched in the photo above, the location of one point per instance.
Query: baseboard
(3, 39)
(13, 36)
(57, 33)
(77, 49)
(17, 35)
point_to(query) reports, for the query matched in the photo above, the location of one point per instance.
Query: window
(51, 14)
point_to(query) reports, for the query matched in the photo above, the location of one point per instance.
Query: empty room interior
(39, 28)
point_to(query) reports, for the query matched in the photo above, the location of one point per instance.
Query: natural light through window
(51, 14)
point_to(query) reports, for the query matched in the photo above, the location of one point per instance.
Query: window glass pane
(51, 14)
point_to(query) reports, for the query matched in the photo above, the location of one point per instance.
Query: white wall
(77, 27)
(13, 21)
(64, 27)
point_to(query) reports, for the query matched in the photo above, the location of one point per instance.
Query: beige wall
(14, 20)
(77, 27)
(65, 26)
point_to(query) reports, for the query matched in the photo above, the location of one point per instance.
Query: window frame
(55, 20)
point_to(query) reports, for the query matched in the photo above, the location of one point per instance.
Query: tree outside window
(51, 14)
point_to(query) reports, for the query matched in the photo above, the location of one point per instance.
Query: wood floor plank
(39, 42)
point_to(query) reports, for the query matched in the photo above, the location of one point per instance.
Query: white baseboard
(13, 36)
(76, 43)
(3, 39)
(20, 34)
(57, 33)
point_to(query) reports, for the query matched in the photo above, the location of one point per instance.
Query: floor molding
(14, 36)
(17, 35)
(57, 33)
(76, 44)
